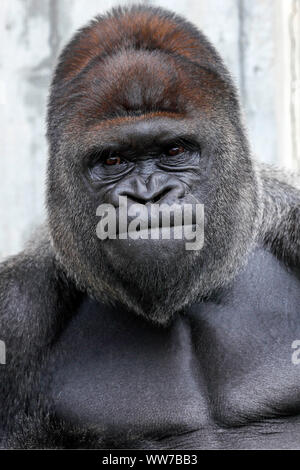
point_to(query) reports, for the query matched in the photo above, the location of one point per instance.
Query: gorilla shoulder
(280, 226)
(34, 297)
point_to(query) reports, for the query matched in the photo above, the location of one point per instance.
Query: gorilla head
(142, 106)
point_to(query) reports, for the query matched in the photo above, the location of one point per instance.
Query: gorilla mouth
(151, 221)
(160, 232)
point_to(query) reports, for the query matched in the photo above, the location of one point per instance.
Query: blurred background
(259, 41)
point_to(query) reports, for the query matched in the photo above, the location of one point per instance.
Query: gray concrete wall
(258, 39)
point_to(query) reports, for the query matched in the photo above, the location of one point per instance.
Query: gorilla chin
(146, 271)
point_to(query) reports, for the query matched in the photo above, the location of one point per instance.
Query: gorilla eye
(173, 151)
(114, 160)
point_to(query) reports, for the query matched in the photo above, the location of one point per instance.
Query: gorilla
(120, 343)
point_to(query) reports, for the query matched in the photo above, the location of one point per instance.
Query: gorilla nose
(157, 188)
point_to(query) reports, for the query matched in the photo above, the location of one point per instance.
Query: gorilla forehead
(138, 133)
(133, 83)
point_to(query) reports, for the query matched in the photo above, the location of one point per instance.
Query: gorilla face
(150, 162)
(130, 117)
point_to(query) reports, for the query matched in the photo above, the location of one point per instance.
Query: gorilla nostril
(146, 197)
(137, 199)
(155, 199)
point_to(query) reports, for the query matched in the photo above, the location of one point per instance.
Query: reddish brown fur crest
(139, 61)
(138, 28)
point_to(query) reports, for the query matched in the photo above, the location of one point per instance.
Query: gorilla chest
(223, 364)
(119, 373)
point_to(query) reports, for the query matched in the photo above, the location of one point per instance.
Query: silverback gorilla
(143, 344)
